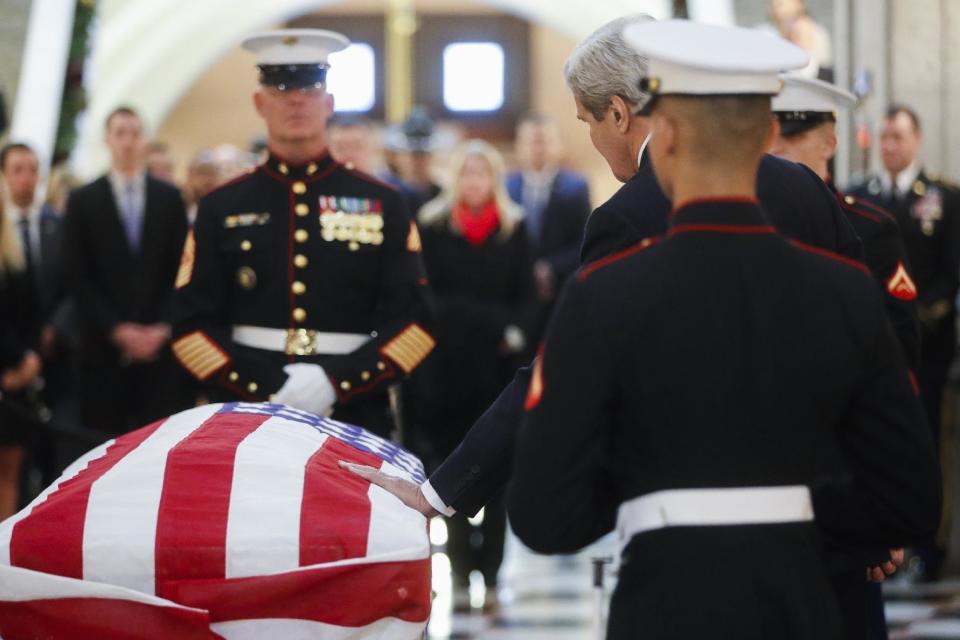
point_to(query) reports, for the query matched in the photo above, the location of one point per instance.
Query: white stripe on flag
(6, 527)
(393, 525)
(383, 629)
(263, 525)
(119, 533)
(18, 585)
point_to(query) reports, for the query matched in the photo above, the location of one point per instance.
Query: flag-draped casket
(230, 521)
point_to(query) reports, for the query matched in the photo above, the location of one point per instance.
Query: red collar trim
(714, 200)
(721, 228)
(279, 158)
(600, 263)
(830, 254)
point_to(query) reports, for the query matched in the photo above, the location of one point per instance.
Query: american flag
(226, 521)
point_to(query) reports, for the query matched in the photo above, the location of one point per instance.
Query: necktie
(534, 204)
(24, 224)
(131, 216)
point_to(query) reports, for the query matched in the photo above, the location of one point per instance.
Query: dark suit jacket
(797, 202)
(564, 218)
(110, 283)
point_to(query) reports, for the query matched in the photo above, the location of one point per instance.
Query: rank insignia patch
(413, 239)
(536, 385)
(185, 272)
(900, 285)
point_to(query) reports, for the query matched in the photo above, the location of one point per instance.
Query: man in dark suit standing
(39, 229)
(123, 236)
(556, 205)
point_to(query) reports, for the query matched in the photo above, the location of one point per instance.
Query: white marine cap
(294, 58)
(805, 103)
(689, 58)
(808, 94)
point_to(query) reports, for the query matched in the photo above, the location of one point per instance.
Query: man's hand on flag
(408, 492)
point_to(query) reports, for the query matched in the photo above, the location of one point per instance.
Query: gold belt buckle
(301, 342)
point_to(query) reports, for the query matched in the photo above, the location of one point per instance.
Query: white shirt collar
(643, 148)
(119, 181)
(541, 178)
(905, 178)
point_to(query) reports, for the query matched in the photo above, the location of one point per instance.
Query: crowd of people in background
(86, 277)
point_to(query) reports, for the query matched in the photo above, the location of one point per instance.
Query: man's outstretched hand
(408, 492)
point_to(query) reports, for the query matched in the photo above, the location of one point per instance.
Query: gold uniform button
(252, 387)
(246, 245)
(354, 246)
(381, 366)
(234, 376)
(298, 288)
(311, 168)
(283, 169)
(849, 200)
(299, 188)
(345, 385)
(301, 235)
(300, 261)
(365, 376)
(299, 315)
(301, 209)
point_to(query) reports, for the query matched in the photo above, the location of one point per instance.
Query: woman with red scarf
(476, 256)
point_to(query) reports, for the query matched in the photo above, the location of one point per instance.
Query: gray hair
(603, 66)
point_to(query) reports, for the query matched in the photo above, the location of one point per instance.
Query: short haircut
(724, 129)
(896, 109)
(122, 110)
(604, 65)
(12, 147)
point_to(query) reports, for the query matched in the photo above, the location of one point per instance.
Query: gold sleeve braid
(410, 347)
(199, 354)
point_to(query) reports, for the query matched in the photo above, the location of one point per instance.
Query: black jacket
(797, 202)
(109, 282)
(740, 359)
(479, 290)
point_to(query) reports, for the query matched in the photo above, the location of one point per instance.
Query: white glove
(308, 388)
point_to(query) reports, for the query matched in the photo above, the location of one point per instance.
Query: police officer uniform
(303, 279)
(698, 415)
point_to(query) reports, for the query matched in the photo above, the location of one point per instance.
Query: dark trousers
(477, 548)
(116, 399)
(861, 605)
(932, 380)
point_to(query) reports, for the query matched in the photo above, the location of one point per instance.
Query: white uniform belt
(300, 342)
(713, 507)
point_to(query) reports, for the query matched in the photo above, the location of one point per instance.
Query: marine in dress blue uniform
(302, 282)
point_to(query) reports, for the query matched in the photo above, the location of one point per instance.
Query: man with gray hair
(604, 75)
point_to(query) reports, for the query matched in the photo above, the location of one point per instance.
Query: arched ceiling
(147, 53)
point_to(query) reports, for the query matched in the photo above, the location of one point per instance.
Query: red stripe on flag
(192, 519)
(349, 596)
(98, 618)
(335, 512)
(50, 539)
